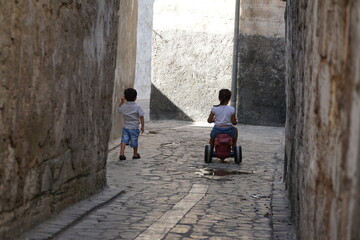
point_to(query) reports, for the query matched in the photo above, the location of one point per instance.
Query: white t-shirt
(132, 112)
(223, 115)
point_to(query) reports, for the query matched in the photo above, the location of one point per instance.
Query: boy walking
(133, 116)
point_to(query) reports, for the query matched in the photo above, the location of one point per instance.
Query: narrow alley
(170, 193)
(292, 69)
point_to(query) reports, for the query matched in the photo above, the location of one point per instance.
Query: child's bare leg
(122, 149)
(135, 151)
(212, 142)
(235, 139)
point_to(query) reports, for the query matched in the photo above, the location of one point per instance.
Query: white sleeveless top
(223, 115)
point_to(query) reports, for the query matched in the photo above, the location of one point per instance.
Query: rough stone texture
(323, 117)
(57, 66)
(143, 49)
(261, 83)
(192, 57)
(126, 60)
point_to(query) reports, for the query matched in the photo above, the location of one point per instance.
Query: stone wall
(323, 117)
(57, 62)
(261, 83)
(191, 58)
(125, 61)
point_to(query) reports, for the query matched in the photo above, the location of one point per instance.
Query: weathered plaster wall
(125, 61)
(261, 83)
(57, 62)
(143, 49)
(262, 17)
(192, 57)
(323, 117)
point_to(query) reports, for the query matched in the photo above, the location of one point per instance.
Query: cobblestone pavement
(167, 194)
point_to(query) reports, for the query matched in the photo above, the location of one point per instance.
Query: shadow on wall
(162, 108)
(261, 89)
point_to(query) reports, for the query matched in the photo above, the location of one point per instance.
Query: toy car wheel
(238, 154)
(208, 154)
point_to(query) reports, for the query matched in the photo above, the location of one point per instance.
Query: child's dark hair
(224, 96)
(130, 94)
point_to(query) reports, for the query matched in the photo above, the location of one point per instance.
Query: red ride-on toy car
(223, 149)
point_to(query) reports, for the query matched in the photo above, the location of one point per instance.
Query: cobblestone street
(168, 194)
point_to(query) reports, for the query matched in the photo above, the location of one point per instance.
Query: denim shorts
(130, 136)
(223, 130)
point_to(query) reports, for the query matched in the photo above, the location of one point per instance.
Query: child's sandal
(136, 157)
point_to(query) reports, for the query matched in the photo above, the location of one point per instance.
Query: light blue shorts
(130, 137)
(223, 130)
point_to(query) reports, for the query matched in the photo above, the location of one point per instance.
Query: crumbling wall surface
(261, 80)
(323, 117)
(57, 64)
(125, 61)
(191, 58)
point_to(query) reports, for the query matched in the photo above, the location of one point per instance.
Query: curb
(281, 221)
(70, 216)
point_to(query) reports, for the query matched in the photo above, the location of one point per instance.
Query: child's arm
(142, 123)
(122, 101)
(211, 117)
(233, 119)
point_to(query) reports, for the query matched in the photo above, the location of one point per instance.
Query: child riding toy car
(223, 149)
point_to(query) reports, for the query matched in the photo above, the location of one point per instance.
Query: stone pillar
(57, 65)
(143, 54)
(261, 80)
(143, 49)
(323, 117)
